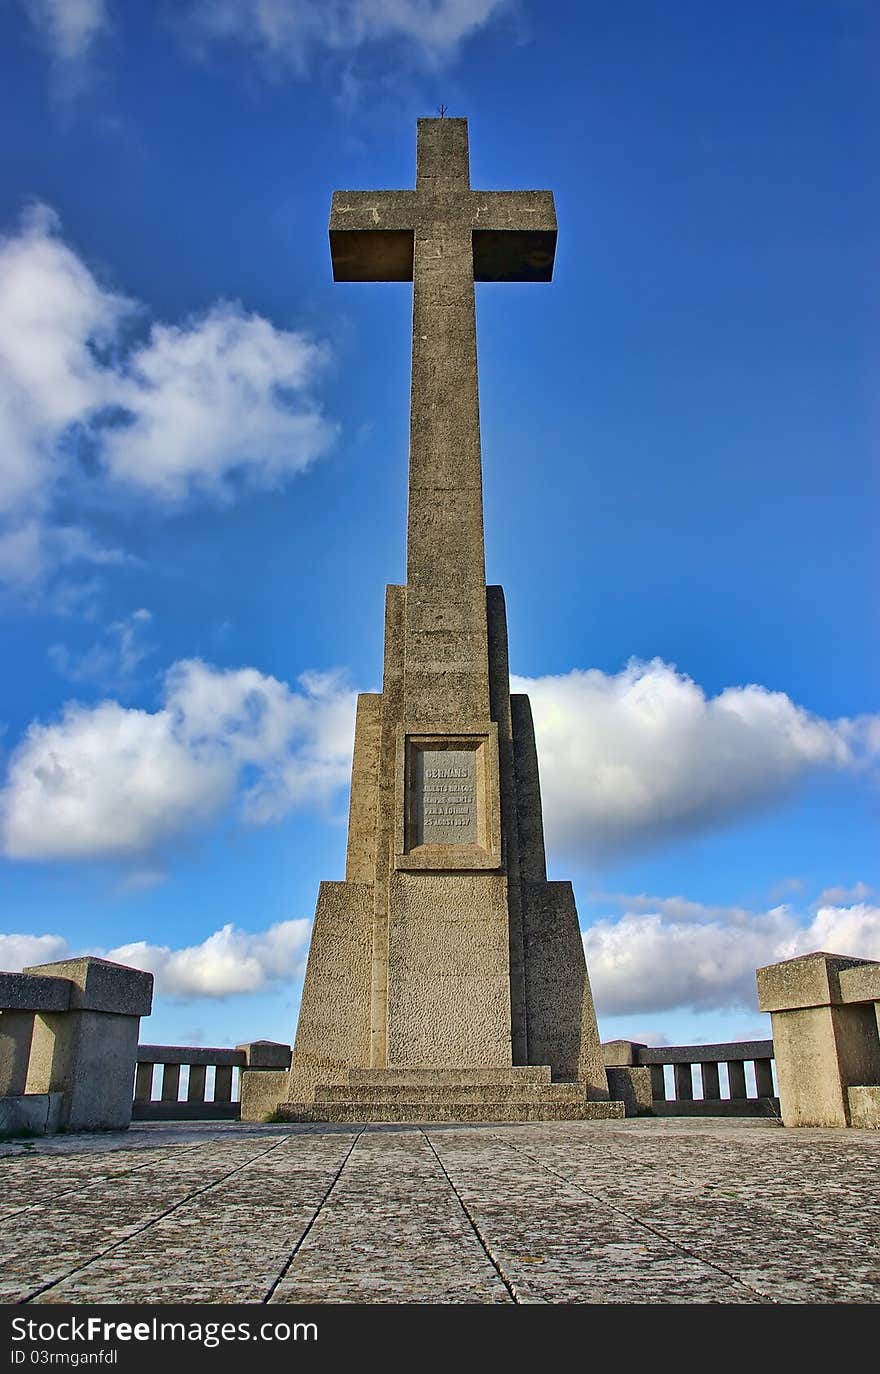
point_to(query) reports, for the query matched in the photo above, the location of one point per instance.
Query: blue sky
(203, 476)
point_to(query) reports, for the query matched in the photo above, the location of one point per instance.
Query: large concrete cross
(443, 237)
(446, 976)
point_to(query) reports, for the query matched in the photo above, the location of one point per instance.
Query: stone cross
(444, 236)
(446, 976)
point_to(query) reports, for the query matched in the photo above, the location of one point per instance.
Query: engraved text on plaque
(444, 797)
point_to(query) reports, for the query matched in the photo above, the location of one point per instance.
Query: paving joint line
(139, 1230)
(83, 1185)
(285, 1268)
(637, 1221)
(814, 1228)
(487, 1249)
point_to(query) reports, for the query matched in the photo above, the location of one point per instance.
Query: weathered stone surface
(89, 1058)
(265, 1054)
(449, 990)
(334, 1021)
(859, 983)
(446, 946)
(100, 985)
(195, 1054)
(16, 1034)
(87, 1052)
(732, 1052)
(620, 1053)
(444, 1093)
(360, 865)
(864, 1107)
(562, 1020)
(723, 1212)
(30, 1114)
(260, 1093)
(423, 1109)
(820, 1052)
(632, 1087)
(30, 992)
(68, 1043)
(432, 1077)
(811, 980)
(825, 1041)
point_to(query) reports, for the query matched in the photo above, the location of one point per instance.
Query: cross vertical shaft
(442, 237)
(446, 668)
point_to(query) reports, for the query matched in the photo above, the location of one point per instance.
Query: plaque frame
(486, 852)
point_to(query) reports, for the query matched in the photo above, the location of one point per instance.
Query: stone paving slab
(640, 1211)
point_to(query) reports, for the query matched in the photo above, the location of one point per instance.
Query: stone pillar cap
(100, 985)
(30, 992)
(811, 980)
(265, 1054)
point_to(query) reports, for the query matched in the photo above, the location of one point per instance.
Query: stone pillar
(21, 998)
(627, 1082)
(88, 1053)
(264, 1079)
(825, 1038)
(16, 1034)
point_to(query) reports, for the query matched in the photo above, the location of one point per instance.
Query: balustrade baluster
(195, 1091)
(711, 1083)
(223, 1083)
(143, 1083)
(764, 1077)
(684, 1083)
(736, 1077)
(170, 1082)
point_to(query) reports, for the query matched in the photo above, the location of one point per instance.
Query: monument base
(516, 1093)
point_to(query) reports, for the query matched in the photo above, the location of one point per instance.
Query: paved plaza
(636, 1211)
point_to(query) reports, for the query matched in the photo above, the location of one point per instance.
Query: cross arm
(514, 235)
(371, 235)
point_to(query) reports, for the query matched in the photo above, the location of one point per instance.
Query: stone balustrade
(825, 1011)
(68, 1043)
(69, 1055)
(257, 1056)
(637, 1076)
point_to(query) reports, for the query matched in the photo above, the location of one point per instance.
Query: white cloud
(107, 781)
(116, 782)
(68, 27)
(112, 659)
(224, 399)
(54, 316)
(832, 896)
(229, 961)
(292, 31)
(223, 396)
(30, 550)
(633, 757)
(851, 929)
(289, 32)
(661, 954)
(22, 951)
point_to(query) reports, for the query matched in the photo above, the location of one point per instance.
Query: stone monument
(446, 977)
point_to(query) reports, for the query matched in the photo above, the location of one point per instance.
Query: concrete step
(378, 1094)
(342, 1112)
(430, 1076)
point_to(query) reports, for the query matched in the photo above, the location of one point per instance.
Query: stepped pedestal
(520, 1093)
